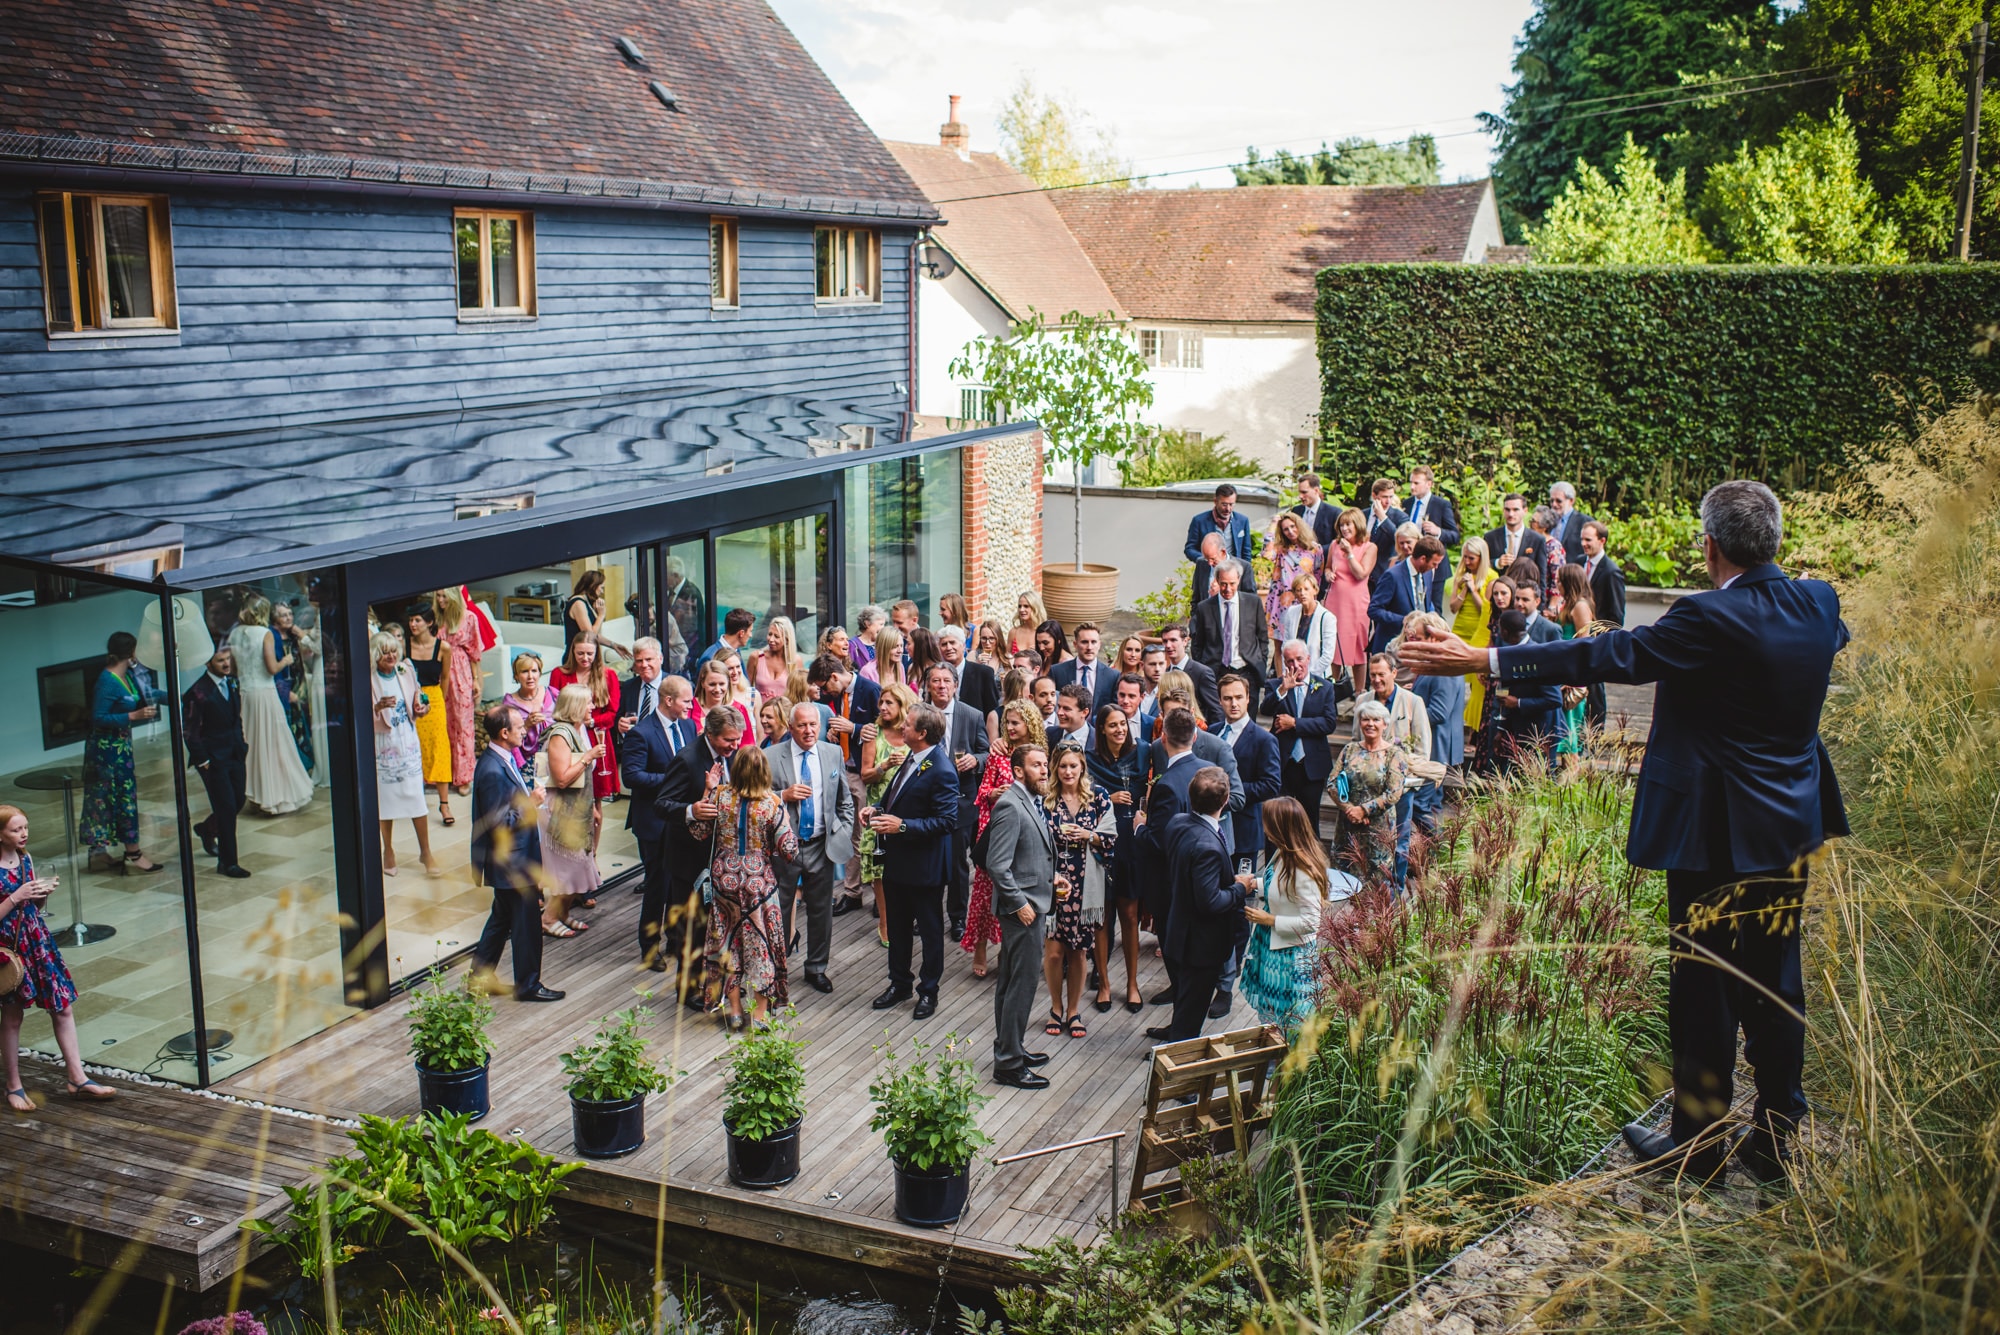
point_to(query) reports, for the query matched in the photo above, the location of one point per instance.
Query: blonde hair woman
(1175, 680)
(711, 691)
(399, 756)
(585, 664)
(886, 667)
(277, 781)
(952, 611)
(571, 817)
(772, 666)
(992, 640)
(744, 949)
(1471, 620)
(460, 632)
(1028, 614)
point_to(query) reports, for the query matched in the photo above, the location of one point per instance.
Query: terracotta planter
(1074, 597)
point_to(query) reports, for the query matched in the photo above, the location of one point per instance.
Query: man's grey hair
(1298, 644)
(1212, 543)
(1410, 531)
(645, 642)
(956, 634)
(1564, 490)
(1367, 709)
(721, 721)
(1746, 522)
(812, 710)
(1230, 567)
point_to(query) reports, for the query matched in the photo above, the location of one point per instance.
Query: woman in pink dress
(1292, 555)
(771, 668)
(1349, 559)
(460, 632)
(1020, 725)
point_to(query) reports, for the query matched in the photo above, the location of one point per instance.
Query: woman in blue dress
(1286, 904)
(124, 695)
(294, 649)
(45, 983)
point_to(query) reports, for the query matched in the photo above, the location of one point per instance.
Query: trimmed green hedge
(1642, 382)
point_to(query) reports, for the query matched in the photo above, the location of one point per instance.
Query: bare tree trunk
(1077, 517)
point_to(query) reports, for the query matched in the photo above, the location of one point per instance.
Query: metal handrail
(1113, 1136)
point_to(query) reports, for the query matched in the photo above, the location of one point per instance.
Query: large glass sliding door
(776, 569)
(902, 532)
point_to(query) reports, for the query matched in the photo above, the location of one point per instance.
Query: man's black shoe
(1656, 1152)
(1221, 1006)
(890, 998)
(845, 904)
(1037, 1059)
(925, 1008)
(1159, 1033)
(1021, 1079)
(1763, 1157)
(955, 932)
(1165, 998)
(539, 993)
(207, 842)
(819, 982)
(236, 873)
(659, 964)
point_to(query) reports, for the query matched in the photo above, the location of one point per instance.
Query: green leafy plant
(1660, 547)
(614, 1065)
(440, 1179)
(926, 1107)
(448, 1025)
(1641, 219)
(1168, 605)
(1172, 456)
(765, 1090)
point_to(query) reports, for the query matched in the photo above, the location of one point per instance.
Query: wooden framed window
(848, 261)
(722, 262)
(1305, 454)
(107, 262)
(496, 263)
(1175, 349)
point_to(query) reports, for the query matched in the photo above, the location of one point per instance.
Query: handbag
(12, 971)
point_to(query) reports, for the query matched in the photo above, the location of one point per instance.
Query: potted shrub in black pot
(763, 1105)
(925, 1109)
(448, 1041)
(608, 1079)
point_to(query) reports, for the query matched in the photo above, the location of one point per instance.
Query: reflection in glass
(775, 570)
(128, 260)
(56, 264)
(903, 532)
(686, 606)
(468, 263)
(506, 263)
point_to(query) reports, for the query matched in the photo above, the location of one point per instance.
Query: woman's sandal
(576, 924)
(1054, 1027)
(558, 929)
(89, 1090)
(1076, 1028)
(138, 861)
(444, 814)
(18, 1100)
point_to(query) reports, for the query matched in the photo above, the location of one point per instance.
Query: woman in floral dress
(1020, 725)
(1292, 554)
(880, 757)
(460, 631)
(744, 950)
(124, 695)
(1074, 807)
(45, 984)
(296, 645)
(1368, 784)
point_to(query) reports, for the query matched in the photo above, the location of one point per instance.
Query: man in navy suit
(1304, 717)
(965, 746)
(1204, 902)
(638, 694)
(1736, 790)
(644, 753)
(1382, 518)
(1413, 584)
(507, 855)
(212, 731)
(1166, 799)
(1230, 528)
(1433, 514)
(977, 686)
(1312, 508)
(1088, 670)
(1528, 597)
(1607, 603)
(1514, 539)
(1568, 528)
(685, 797)
(914, 828)
(1261, 772)
(853, 700)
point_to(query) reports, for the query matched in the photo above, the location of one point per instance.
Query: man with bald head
(807, 775)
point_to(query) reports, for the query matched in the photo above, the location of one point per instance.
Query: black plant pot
(931, 1197)
(440, 1092)
(770, 1162)
(609, 1129)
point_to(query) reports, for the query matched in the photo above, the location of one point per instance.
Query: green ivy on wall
(1640, 383)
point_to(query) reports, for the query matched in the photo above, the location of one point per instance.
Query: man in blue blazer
(1166, 797)
(1204, 904)
(1383, 518)
(1088, 669)
(1444, 700)
(1413, 584)
(1304, 717)
(1231, 528)
(507, 856)
(914, 830)
(1736, 790)
(671, 927)
(1261, 772)
(1313, 508)
(1433, 514)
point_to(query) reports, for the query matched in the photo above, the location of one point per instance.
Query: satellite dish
(938, 262)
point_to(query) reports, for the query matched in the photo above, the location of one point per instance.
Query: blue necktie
(806, 806)
(1298, 703)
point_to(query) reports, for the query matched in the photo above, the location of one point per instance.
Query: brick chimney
(953, 133)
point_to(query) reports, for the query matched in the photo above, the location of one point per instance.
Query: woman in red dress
(1020, 725)
(586, 664)
(45, 982)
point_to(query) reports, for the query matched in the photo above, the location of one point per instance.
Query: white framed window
(848, 264)
(975, 403)
(496, 263)
(107, 263)
(722, 289)
(1177, 349)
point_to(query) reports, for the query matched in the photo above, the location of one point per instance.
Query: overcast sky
(1180, 84)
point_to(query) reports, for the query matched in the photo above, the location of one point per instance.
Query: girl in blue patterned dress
(1285, 906)
(45, 983)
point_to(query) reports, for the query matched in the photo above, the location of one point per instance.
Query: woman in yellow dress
(1469, 619)
(429, 655)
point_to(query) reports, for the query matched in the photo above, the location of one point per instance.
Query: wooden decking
(153, 1182)
(841, 1206)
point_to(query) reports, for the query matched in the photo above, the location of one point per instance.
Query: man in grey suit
(807, 774)
(966, 742)
(1021, 859)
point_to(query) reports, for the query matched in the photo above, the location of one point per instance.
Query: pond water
(716, 1286)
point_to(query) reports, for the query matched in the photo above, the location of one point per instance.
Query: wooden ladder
(1206, 1096)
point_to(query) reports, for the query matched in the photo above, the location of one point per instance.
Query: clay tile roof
(1251, 253)
(1012, 241)
(522, 86)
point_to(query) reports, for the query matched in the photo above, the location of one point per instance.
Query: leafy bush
(1169, 605)
(614, 1065)
(1175, 456)
(441, 1174)
(448, 1025)
(926, 1107)
(1659, 547)
(765, 1090)
(1614, 376)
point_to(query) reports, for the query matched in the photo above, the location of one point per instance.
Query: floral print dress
(745, 943)
(1287, 567)
(46, 982)
(1067, 925)
(110, 813)
(1374, 783)
(461, 695)
(980, 924)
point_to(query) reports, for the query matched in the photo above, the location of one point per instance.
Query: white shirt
(1173, 760)
(1081, 737)
(222, 684)
(1213, 822)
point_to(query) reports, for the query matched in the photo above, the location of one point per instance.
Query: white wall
(1141, 531)
(43, 635)
(1258, 385)
(951, 312)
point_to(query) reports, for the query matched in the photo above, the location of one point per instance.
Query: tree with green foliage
(1903, 83)
(1053, 143)
(1641, 219)
(1593, 72)
(1802, 200)
(1348, 162)
(1081, 379)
